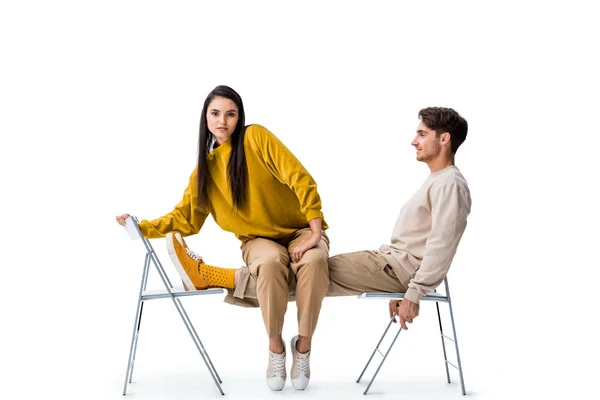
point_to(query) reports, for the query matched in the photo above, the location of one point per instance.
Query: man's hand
(406, 310)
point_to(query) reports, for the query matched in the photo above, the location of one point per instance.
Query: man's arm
(450, 206)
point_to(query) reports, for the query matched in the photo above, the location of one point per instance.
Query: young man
(424, 240)
(428, 229)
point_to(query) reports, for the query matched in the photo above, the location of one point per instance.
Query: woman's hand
(297, 251)
(121, 219)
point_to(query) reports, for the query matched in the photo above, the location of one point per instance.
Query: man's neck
(440, 164)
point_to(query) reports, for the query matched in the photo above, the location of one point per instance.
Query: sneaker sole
(300, 384)
(276, 384)
(187, 282)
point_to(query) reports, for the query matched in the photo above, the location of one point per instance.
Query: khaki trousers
(268, 267)
(349, 274)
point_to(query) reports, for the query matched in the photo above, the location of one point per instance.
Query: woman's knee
(271, 265)
(317, 256)
(315, 260)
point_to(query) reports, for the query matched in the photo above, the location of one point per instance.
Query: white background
(99, 111)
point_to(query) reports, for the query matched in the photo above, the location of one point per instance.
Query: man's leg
(361, 271)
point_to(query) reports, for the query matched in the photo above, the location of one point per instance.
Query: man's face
(426, 143)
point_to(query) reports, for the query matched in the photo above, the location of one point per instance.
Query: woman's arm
(186, 218)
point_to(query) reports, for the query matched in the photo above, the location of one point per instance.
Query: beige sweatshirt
(427, 232)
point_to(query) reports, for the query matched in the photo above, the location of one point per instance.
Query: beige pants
(268, 277)
(349, 274)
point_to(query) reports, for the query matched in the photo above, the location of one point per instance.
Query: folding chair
(171, 292)
(434, 296)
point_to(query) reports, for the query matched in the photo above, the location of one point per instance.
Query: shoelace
(303, 364)
(277, 365)
(194, 256)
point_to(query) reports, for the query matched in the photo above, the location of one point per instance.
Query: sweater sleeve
(450, 206)
(185, 218)
(286, 168)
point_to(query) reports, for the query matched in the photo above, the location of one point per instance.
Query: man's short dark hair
(442, 120)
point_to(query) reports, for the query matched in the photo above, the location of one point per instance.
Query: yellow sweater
(281, 197)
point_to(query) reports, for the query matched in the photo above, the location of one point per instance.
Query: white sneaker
(300, 366)
(276, 374)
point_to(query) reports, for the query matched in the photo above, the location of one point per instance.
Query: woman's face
(222, 118)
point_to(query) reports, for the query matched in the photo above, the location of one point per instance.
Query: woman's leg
(268, 264)
(312, 281)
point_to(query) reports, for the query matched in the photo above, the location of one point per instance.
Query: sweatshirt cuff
(413, 295)
(312, 214)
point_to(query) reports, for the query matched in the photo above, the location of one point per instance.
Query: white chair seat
(433, 296)
(177, 291)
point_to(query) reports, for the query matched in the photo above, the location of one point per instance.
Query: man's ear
(445, 137)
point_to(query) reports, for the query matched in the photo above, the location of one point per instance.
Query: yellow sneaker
(186, 262)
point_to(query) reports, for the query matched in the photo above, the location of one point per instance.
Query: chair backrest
(133, 230)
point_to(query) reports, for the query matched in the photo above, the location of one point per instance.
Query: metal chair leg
(197, 339)
(137, 334)
(376, 349)
(136, 325)
(460, 371)
(384, 355)
(186, 321)
(437, 305)
(382, 361)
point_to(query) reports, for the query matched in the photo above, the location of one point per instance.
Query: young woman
(253, 186)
